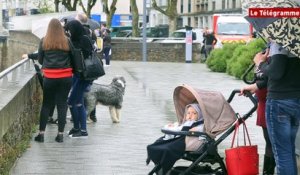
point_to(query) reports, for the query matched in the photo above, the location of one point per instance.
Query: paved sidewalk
(120, 149)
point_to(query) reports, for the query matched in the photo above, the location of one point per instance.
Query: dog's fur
(109, 95)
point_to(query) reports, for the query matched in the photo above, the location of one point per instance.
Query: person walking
(54, 56)
(79, 86)
(209, 42)
(106, 46)
(283, 104)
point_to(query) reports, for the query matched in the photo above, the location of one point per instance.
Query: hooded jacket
(79, 37)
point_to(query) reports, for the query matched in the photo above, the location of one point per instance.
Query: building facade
(194, 13)
(198, 13)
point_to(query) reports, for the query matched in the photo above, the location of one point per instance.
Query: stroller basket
(219, 118)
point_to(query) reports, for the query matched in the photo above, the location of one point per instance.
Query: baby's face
(191, 114)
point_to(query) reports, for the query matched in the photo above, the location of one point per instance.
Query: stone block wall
(132, 50)
(20, 114)
(20, 42)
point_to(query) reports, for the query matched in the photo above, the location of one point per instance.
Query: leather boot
(269, 165)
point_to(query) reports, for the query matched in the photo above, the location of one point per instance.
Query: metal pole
(144, 32)
(1, 22)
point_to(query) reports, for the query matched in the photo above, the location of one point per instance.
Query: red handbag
(242, 160)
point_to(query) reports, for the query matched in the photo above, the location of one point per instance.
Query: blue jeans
(76, 102)
(283, 122)
(106, 55)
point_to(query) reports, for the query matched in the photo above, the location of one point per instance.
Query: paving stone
(120, 149)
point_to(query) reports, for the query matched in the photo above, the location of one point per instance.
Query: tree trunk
(170, 12)
(172, 25)
(108, 21)
(69, 5)
(135, 18)
(109, 11)
(56, 3)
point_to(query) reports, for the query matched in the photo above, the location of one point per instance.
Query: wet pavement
(120, 149)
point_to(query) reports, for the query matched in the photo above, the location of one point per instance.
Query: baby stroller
(219, 117)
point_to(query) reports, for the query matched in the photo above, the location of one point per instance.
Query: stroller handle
(244, 76)
(250, 96)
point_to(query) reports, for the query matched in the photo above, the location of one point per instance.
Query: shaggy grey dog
(109, 95)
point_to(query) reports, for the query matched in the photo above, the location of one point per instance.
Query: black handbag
(93, 68)
(89, 68)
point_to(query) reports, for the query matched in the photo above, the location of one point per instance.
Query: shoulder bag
(93, 68)
(242, 160)
(89, 68)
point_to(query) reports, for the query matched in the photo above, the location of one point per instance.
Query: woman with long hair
(55, 57)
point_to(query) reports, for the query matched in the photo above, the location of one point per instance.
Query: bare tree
(109, 11)
(90, 4)
(135, 18)
(44, 6)
(70, 5)
(170, 12)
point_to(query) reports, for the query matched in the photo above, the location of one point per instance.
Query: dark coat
(79, 37)
(167, 152)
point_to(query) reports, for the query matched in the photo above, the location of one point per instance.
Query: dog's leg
(113, 114)
(118, 112)
(90, 105)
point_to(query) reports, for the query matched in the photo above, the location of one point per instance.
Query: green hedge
(234, 59)
(217, 60)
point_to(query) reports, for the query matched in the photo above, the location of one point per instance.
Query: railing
(10, 74)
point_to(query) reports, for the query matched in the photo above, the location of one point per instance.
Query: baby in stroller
(192, 117)
(194, 140)
(168, 149)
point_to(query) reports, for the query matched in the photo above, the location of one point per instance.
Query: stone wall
(132, 50)
(20, 114)
(20, 42)
(17, 43)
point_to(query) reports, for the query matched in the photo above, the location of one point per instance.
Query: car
(116, 29)
(197, 35)
(160, 31)
(124, 33)
(178, 36)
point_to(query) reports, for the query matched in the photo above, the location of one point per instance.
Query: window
(223, 4)
(214, 5)
(233, 4)
(234, 28)
(228, 4)
(181, 6)
(189, 6)
(198, 8)
(196, 21)
(189, 21)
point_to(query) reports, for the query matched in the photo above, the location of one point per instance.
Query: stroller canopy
(217, 113)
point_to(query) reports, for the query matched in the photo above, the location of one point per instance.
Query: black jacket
(283, 77)
(52, 59)
(79, 37)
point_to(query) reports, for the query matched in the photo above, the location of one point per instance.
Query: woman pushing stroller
(168, 149)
